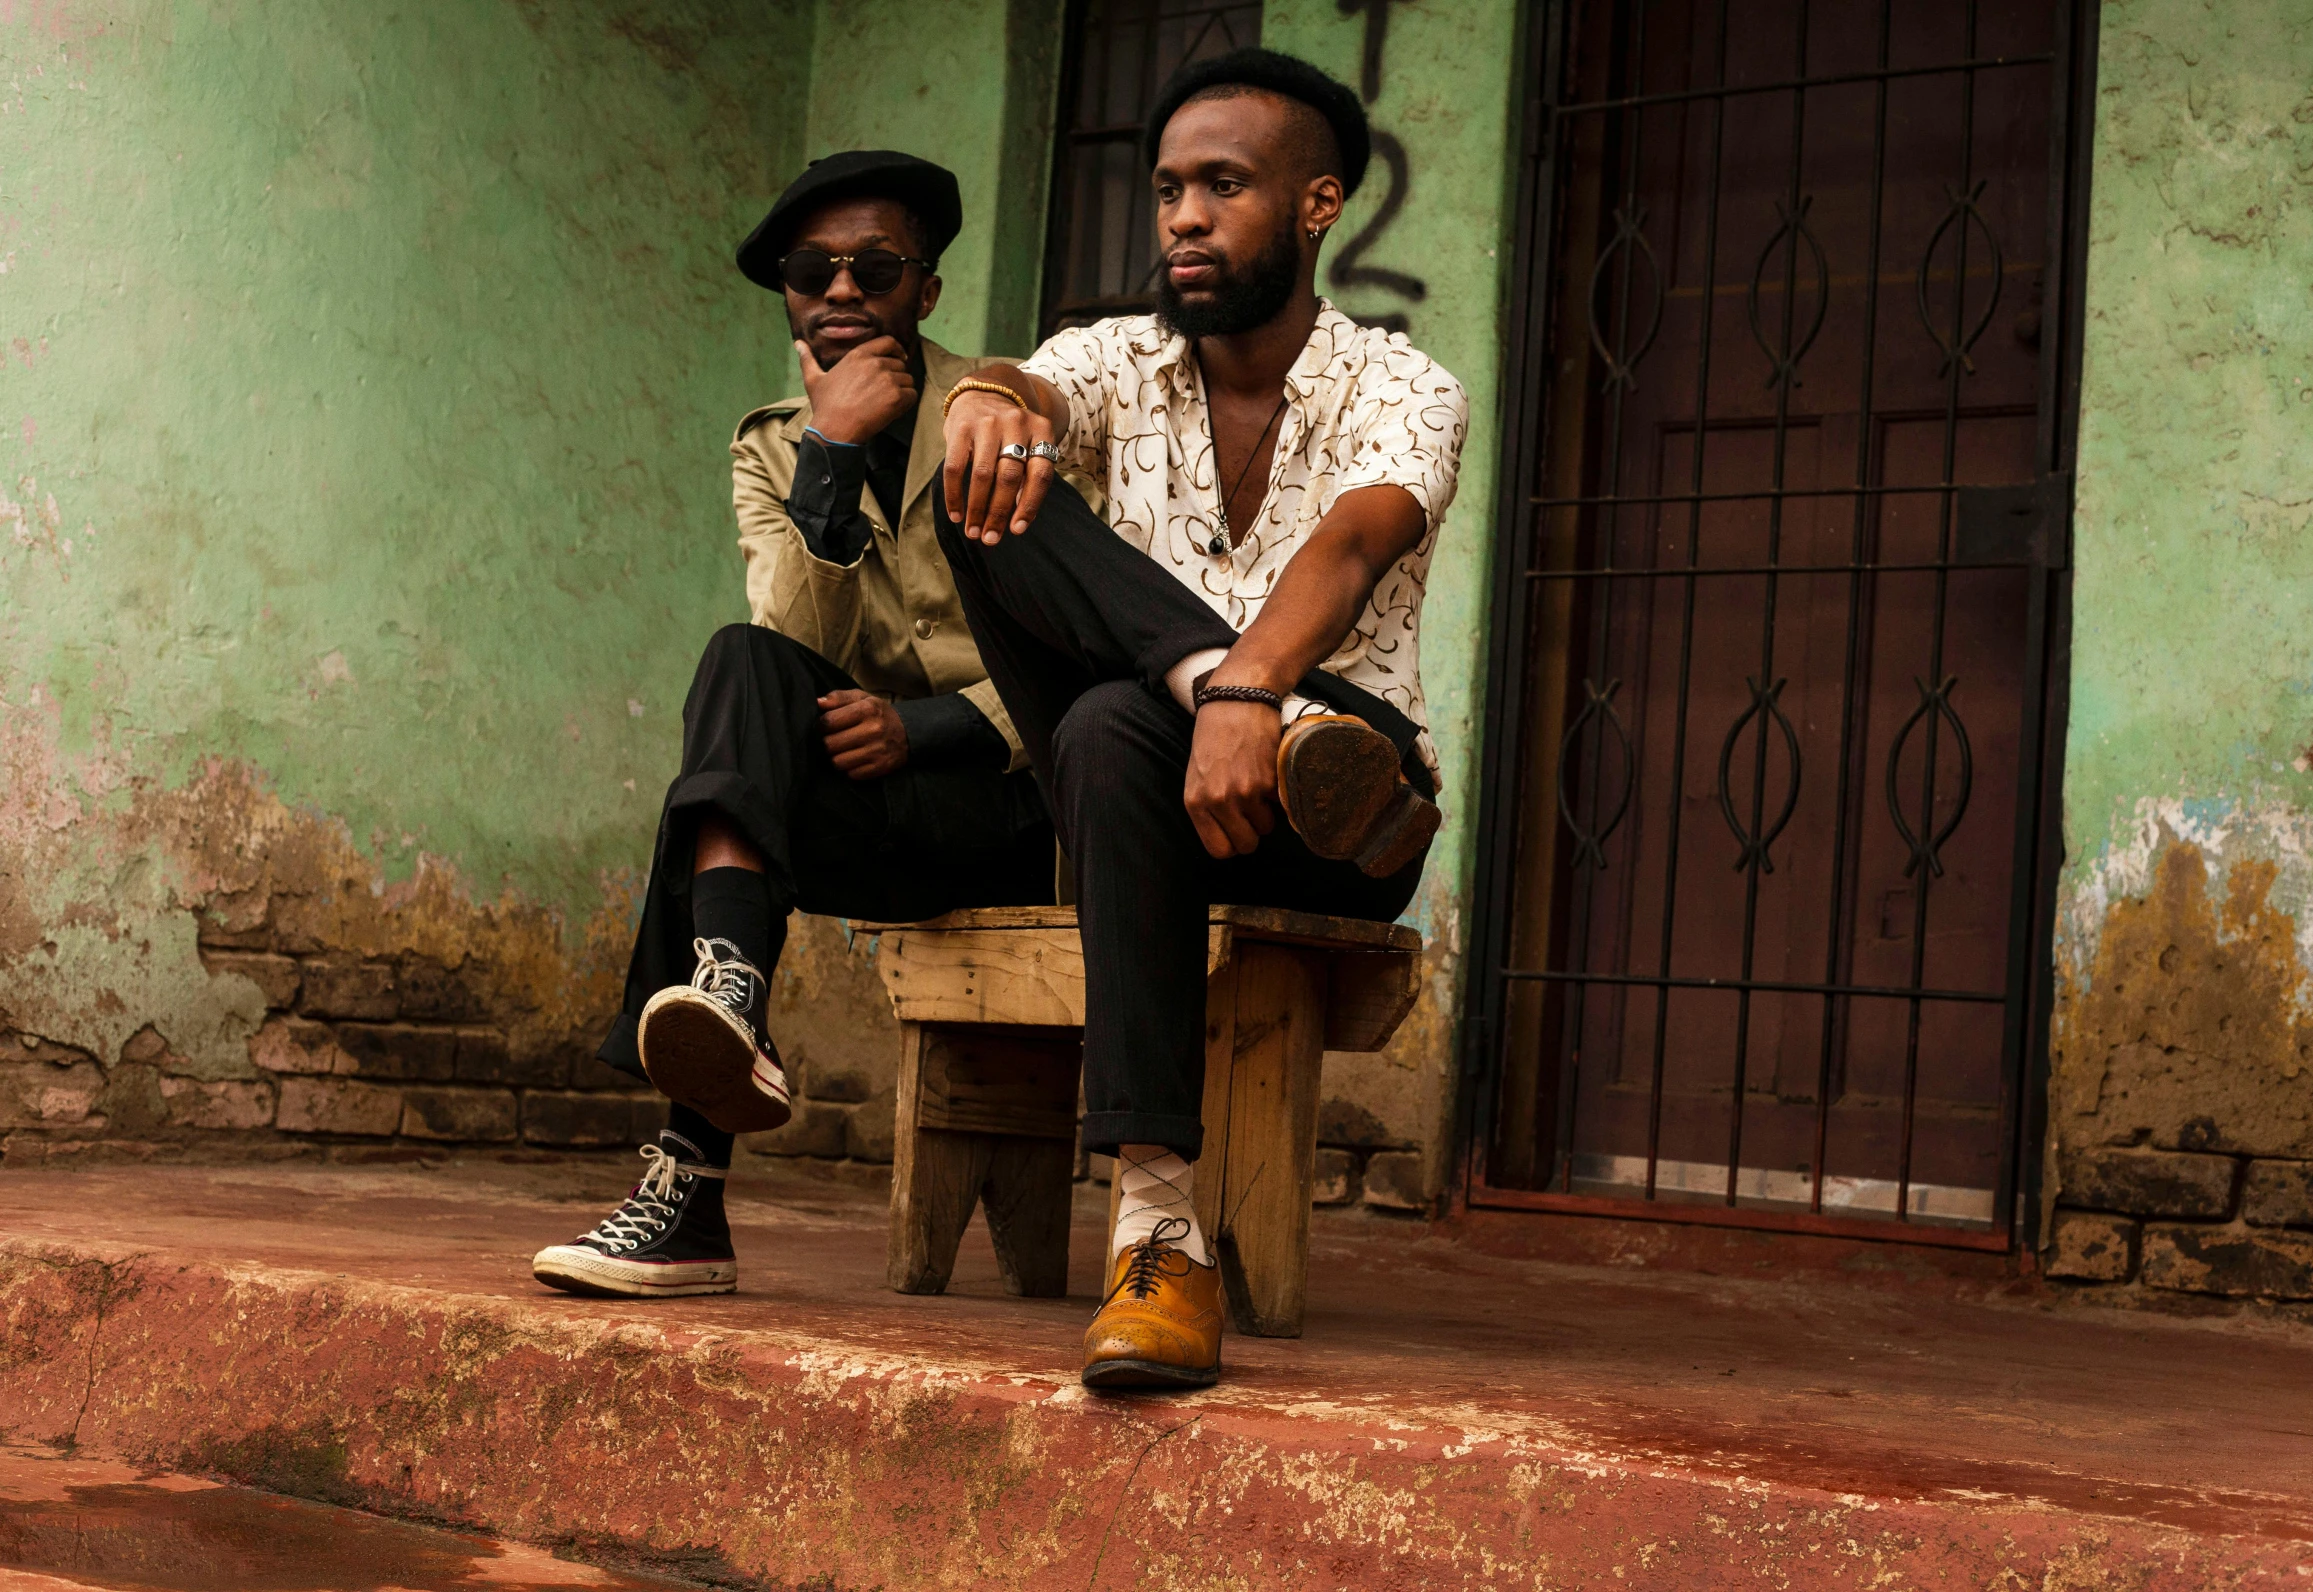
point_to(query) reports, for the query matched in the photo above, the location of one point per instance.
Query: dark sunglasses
(875, 272)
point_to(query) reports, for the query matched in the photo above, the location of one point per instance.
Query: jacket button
(925, 627)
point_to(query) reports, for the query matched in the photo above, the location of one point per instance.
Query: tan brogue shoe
(1161, 1323)
(1339, 783)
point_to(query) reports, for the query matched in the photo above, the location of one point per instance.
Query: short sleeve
(1406, 426)
(1078, 363)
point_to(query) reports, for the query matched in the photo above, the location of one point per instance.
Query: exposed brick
(337, 1105)
(396, 1050)
(2092, 1247)
(480, 1115)
(291, 1044)
(41, 1094)
(1393, 1181)
(2150, 1182)
(277, 976)
(131, 1102)
(146, 1044)
(816, 1129)
(1337, 1181)
(360, 990)
(233, 1104)
(2228, 1260)
(431, 992)
(485, 1057)
(840, 1080)
(236, 919)
(873, 1126)
(2279, 1194)
(569, 1120)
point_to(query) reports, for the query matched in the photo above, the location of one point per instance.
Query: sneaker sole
(1111, 1375)
(1400, 836)
(577, 1270)
(698, 1054)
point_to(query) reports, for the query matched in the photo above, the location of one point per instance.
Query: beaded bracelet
(974, 384)
(1239, 693)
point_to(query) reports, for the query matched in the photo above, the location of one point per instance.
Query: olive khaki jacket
(892, 621)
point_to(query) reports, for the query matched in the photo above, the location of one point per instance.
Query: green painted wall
(369, 372)
(972, 84)
(2192, 671)
(1448, 93)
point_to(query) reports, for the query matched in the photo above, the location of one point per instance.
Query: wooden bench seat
(991, 1009)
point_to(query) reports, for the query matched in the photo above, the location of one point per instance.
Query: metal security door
(1769, 715)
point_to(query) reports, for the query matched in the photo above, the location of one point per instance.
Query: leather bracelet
(974, 384)
(1240, 693)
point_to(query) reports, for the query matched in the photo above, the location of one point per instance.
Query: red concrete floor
(1459, 1415)
(71, 1523)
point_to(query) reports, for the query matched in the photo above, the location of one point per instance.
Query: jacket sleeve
(788, 588)
(983, 696)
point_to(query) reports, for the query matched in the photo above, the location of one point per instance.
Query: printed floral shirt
(1363, 408)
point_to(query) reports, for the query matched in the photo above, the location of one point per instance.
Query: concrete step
(1455, 1416)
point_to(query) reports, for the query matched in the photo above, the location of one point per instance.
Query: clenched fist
(864, 733)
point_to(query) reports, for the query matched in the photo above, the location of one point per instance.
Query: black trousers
(911, 845)
(1077, 628)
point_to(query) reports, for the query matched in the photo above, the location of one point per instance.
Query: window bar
(1956, 354)
(1763, 688)
(1618, 385)
(1687, 615)
(1841, 909)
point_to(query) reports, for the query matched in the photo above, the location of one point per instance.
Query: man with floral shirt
(1241, 630)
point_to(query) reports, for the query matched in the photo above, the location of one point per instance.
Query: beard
(1242, 300)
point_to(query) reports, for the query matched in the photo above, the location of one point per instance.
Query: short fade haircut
(1272, 72)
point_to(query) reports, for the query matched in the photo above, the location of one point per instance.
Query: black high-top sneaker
(669, 1238)
(703, 1044)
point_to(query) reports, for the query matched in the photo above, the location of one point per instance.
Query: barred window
(1102, 255)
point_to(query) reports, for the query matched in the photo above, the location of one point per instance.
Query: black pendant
(1219, 544)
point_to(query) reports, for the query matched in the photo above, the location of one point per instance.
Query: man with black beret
(1240, 634)
(842, 754)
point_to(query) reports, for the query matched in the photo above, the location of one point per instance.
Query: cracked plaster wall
(2181, 1109)
(367, 380)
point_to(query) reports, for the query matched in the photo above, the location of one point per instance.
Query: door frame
(1546, 27)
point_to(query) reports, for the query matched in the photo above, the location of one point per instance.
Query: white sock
(1181, 680)
(1153, 1185)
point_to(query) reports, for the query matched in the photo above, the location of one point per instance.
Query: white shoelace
(649, 1210)
(729, 979)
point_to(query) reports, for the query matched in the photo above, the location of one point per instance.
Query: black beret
(928, 190)
(1278, 73)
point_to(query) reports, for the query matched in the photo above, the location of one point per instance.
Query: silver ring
(1045, 451)
(1013, 450)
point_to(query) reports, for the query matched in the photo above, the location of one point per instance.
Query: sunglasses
(875, 272)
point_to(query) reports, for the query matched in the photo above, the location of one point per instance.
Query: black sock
(711, 1144)
(734, 904)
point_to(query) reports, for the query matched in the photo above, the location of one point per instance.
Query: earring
(1314, 234)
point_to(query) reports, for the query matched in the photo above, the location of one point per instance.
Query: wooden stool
(991, 1009)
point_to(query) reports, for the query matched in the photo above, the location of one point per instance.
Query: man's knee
(746, 646)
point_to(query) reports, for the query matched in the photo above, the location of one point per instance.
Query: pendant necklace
(1219, 545)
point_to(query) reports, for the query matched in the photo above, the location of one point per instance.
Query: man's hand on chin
(1233, 776)
(861, 393)
(864, 733)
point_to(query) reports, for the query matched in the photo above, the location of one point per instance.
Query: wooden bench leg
(983, 1114)
(1264, 1042)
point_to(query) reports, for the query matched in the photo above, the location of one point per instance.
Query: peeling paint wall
(368, 375)
(2181, 1099)
(1447, 95)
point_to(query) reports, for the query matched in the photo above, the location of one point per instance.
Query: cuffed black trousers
(1077, 628)
(911, 845)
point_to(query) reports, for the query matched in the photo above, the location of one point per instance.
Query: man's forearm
(1324, 589)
